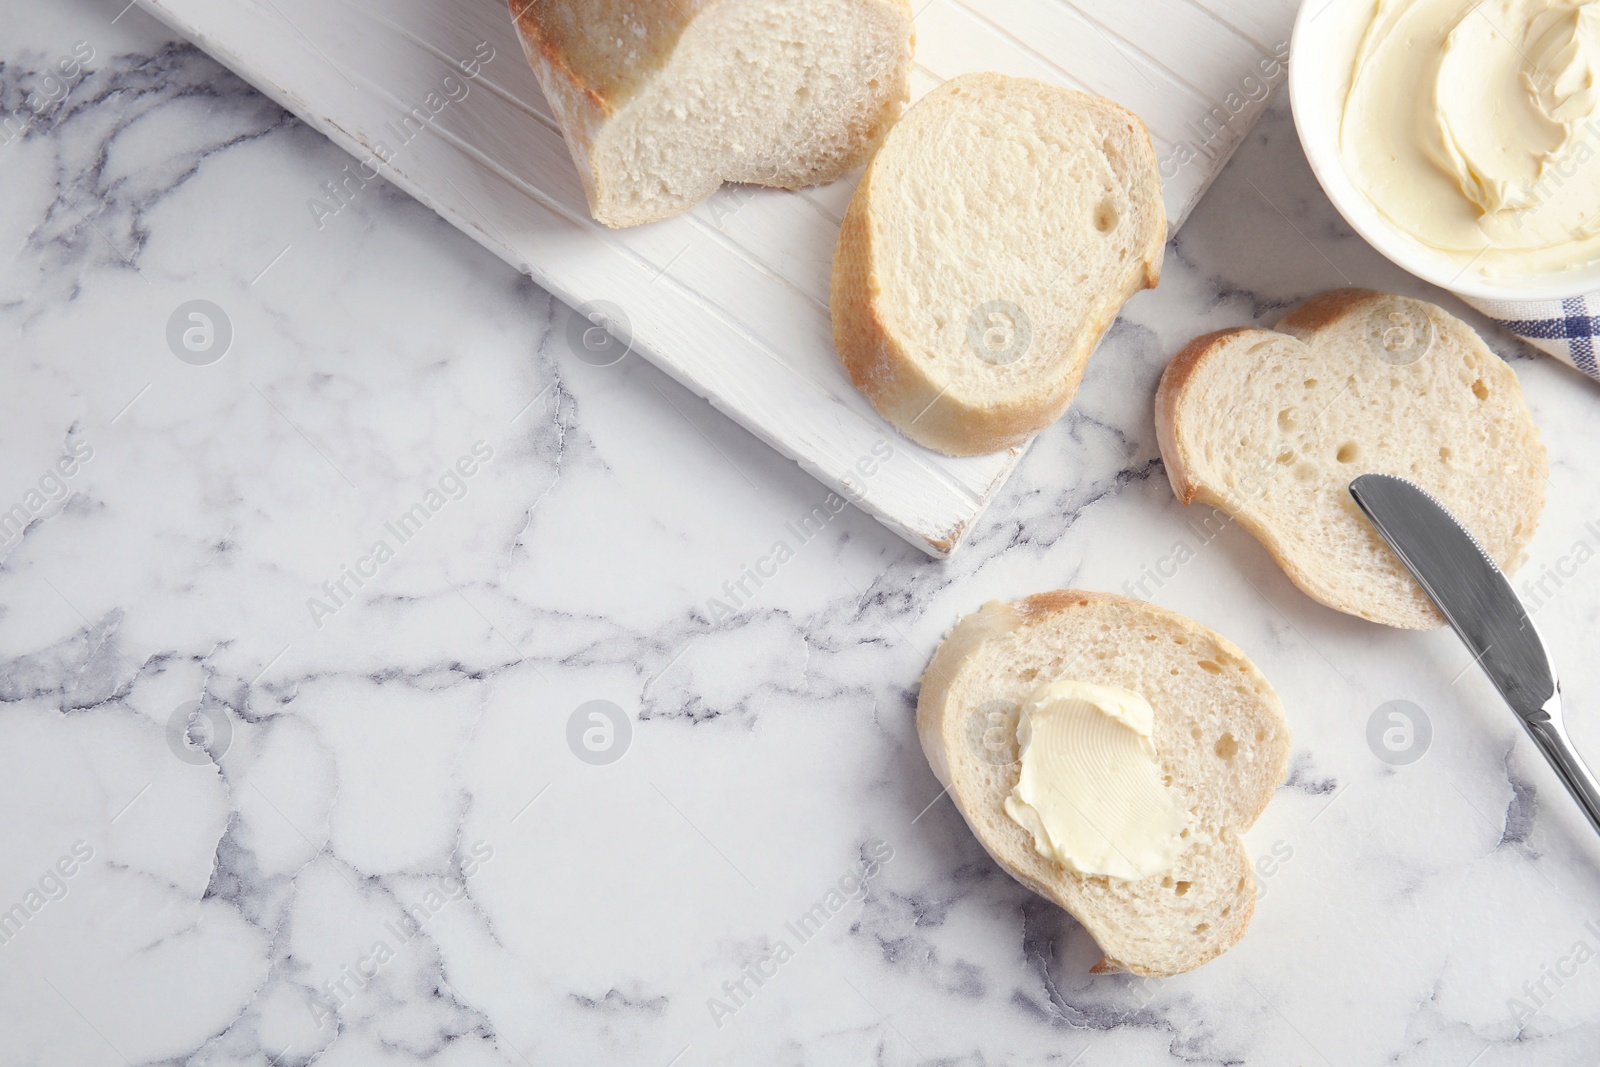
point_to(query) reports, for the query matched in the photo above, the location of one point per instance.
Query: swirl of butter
(1475, 128)
(1090, 789)
(1565, 43)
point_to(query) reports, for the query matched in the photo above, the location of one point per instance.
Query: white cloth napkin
(1567, 329)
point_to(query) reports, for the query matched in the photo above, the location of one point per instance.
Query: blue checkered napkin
(1567, 329)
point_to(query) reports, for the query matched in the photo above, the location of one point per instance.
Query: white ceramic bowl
(1321, 53)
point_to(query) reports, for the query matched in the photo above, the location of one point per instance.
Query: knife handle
(1550, 735)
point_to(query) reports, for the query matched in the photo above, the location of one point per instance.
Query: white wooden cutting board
(732, 299)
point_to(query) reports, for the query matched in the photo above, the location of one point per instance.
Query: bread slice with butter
(1271, 426)
(992, 240)
(661, 101)
(1220, 739)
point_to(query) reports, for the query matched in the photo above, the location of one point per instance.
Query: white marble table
(377, 845)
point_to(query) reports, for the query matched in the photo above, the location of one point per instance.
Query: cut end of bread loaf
(662, 101)
(1220, 733)
(1272, 426)
(991, 242)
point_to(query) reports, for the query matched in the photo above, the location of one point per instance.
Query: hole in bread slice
(1237, 433)
(989, 245)
(1172, 920)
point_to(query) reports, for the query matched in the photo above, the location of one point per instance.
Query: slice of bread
(1220, 735)
(1272, 426)
(661, 101)
(992, 240)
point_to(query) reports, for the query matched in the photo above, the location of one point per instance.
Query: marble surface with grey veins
(515, 789)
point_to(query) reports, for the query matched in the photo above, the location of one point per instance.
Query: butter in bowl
(1461, 139)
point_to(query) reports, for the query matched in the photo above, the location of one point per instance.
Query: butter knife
(1485, 613)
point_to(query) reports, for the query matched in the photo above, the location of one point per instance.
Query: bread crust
(1174, 452)
(595, 59)
(592, 56)
(1303, 324)
(970, 639)
(879, 362)
(1326, 309)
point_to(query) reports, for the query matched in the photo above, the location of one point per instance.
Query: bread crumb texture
(1221, 738)
(1272, 426)
(661, 101)
(992, 240)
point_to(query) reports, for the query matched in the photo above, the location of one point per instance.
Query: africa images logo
(450, 486)
(850, 886)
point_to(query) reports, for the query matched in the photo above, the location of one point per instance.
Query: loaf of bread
(990, 243)
(1271, 426)
(1219, 731)
(661, 101)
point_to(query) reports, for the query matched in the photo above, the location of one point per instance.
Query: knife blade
(1482, 607)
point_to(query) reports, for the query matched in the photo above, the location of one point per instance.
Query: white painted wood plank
(731, 300)
(1265, 22)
